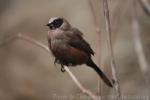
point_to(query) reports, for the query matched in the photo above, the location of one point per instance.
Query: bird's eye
(57, 23)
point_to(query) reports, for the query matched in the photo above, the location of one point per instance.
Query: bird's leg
(59, 62)
(62, 68)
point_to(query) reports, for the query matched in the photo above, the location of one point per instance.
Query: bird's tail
(100, 73)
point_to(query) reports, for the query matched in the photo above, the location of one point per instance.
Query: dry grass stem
(138, 43)
(97, 29)
(110, 48)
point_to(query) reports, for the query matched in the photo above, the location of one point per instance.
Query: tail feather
(100, 73)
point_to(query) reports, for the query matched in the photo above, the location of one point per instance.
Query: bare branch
(97, 42)
(94, 18)
(26, 38)
(110, 48)
(136, 32)
(137, 42)
(35, 42)
(80, 85)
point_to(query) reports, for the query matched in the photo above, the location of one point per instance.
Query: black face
(55, 24)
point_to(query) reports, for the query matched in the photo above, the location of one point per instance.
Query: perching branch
(80, 85)
(45, 48)
(26, 38)
(110, 48)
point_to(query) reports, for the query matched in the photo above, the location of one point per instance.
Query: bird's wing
(78, 42)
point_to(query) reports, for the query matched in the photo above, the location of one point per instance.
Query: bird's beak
(48, 24)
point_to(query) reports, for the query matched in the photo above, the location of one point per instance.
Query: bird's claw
(58, 62)
(62, 68)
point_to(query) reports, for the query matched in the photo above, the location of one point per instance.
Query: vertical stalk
(110, 48)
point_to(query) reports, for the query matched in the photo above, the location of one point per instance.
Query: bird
(69, 47)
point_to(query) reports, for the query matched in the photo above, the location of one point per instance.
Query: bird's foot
(62, 68)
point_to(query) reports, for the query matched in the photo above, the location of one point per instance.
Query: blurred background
(27, 72)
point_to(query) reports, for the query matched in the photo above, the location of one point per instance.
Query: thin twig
(136, 34)
(94, 18)
(26, 38)
(97, 43)
(110, 48)
(145, 5)
(35, 42)
(137, 41)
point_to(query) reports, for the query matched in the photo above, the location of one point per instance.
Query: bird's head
(58, 23)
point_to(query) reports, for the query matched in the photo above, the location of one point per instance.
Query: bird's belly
(69, 56)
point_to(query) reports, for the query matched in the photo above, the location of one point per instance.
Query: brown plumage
(68, 46)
